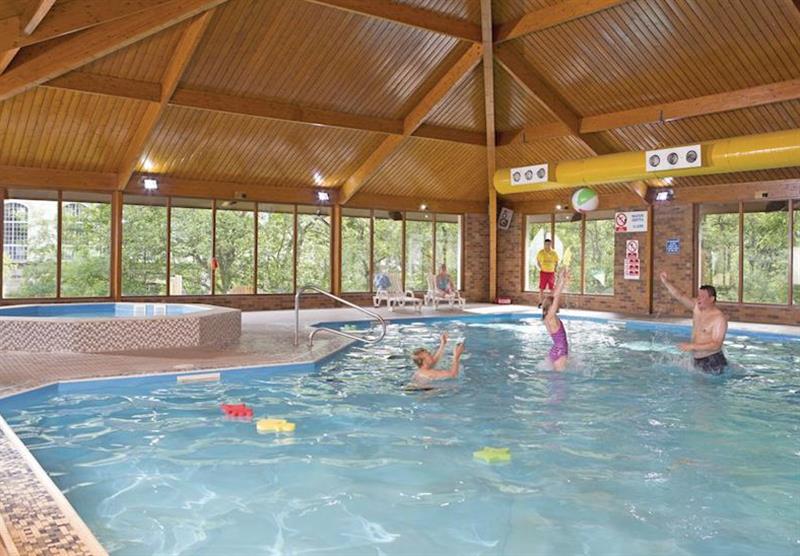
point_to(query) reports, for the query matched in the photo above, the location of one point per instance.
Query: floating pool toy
(493, 455)
(236, 410)
(274, 425)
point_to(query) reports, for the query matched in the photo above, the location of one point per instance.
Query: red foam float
(236, 410)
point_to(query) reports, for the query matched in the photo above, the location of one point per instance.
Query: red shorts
(547, 280)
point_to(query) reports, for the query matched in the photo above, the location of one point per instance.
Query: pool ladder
(358, 337)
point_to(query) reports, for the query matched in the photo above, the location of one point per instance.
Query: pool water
(629, 452)
(100, 310)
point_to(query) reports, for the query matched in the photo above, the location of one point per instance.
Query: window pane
(766, 252)
(419, 250)
(85, 249)
(388, 242)
(355, 254)
(719, 249)
(190, 248)
(537, 230)
(29, 247)
(275, 249)
(448, 245)
(599, 257)
(144, 249)
(796, 254)
(235, 248)
(314, 248)
(568, 236)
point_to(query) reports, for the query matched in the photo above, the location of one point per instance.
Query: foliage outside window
(144, 246)
(796, 254)
(190, 247)
(387, 252)
(766, 252)
(419, 250)
(235, 247)
(598, 261)
(719, 249)
(568, 237)
(355, 250)
(85, 246)
(537, 229)
(448, 245)
(275, 248)
(30, 248)
(314, 247)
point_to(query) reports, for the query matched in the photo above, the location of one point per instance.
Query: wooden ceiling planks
(227, 147)
(546, 150)
(66, 130)
(514, 106)
(463, 106)
(465, 10)
(436, 170)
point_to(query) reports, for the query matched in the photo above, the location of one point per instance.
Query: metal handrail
(361, 338)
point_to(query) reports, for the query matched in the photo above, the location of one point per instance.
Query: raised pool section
(101, 327)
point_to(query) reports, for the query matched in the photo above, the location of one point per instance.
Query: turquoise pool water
(629, 452)
(99, 310)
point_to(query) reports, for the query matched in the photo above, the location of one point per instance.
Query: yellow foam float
(274, 425)
(493, 455)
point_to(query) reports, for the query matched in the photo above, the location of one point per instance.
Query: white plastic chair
(434, 296)
(394, 296)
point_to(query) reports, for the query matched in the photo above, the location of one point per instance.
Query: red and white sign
(630, 221)
(632, 263)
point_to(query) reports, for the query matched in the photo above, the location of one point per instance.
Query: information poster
(632, 264)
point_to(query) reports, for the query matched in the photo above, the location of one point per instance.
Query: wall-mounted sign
(630, 221)
(632, 264)
(673, 246)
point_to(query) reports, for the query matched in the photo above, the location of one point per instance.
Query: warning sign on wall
(630, 221)
(632, 264)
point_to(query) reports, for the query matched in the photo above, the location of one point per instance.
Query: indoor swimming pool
(630, 451)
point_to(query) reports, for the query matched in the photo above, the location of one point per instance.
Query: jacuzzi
(99, 327)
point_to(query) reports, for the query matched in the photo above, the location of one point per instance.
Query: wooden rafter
(71, 16)
(544, 18)
(186, 47)
(86, 46)
(408, 15)
(260, 108)
(535, 84)
(29, 20)
(665, 112)
(412, 121)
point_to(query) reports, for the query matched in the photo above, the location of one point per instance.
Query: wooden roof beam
(666, 112)
(535, 84)
(89, 45)
(465, 63)
(408, 15)
(544, 18)
(29, 20)
(186, 47)
(394, 202)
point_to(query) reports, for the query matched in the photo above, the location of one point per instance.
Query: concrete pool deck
(39, 521)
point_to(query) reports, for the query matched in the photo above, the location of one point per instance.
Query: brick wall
(476, 255)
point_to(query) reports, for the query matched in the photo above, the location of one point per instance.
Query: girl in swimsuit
(560, 350)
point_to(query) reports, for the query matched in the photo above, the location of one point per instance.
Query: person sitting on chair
(382, 281)
(444, 282)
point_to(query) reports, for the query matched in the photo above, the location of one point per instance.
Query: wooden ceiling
(380, 97)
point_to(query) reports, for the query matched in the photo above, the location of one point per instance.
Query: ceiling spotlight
(655, 160)
(318, 179)
(423, 207)
(323, 196)
(665, 195)
(558, 207)
(672, 158)
(150, 184)
(148, 165)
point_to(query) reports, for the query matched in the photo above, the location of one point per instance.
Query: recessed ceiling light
(423, 206)
(318, 179)
(148, 165)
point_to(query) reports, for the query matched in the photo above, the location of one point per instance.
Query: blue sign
(673, 246)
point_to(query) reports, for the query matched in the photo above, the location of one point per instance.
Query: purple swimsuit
(560, 347)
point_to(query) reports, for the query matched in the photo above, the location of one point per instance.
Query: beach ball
(585, 200)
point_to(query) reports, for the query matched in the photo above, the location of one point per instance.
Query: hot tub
(99, 327)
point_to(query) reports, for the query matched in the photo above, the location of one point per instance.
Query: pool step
(207, 377)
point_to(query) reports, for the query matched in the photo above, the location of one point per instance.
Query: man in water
(709, 326)
(426, 363)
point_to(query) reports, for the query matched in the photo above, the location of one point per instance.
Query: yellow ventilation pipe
(780, 149)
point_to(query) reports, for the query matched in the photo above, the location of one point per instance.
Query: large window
(314, 247)
(275, 248)
(355, 250)
(598, 260)
(30, 245)
(719, 249)
(537, 228)
(419, 250)
(85, 245)
(144, 246)
(235, 247)
(388, 244)
(190, 247)
(796, 254)
(567, 243)
(766, 252)
(448, 245)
